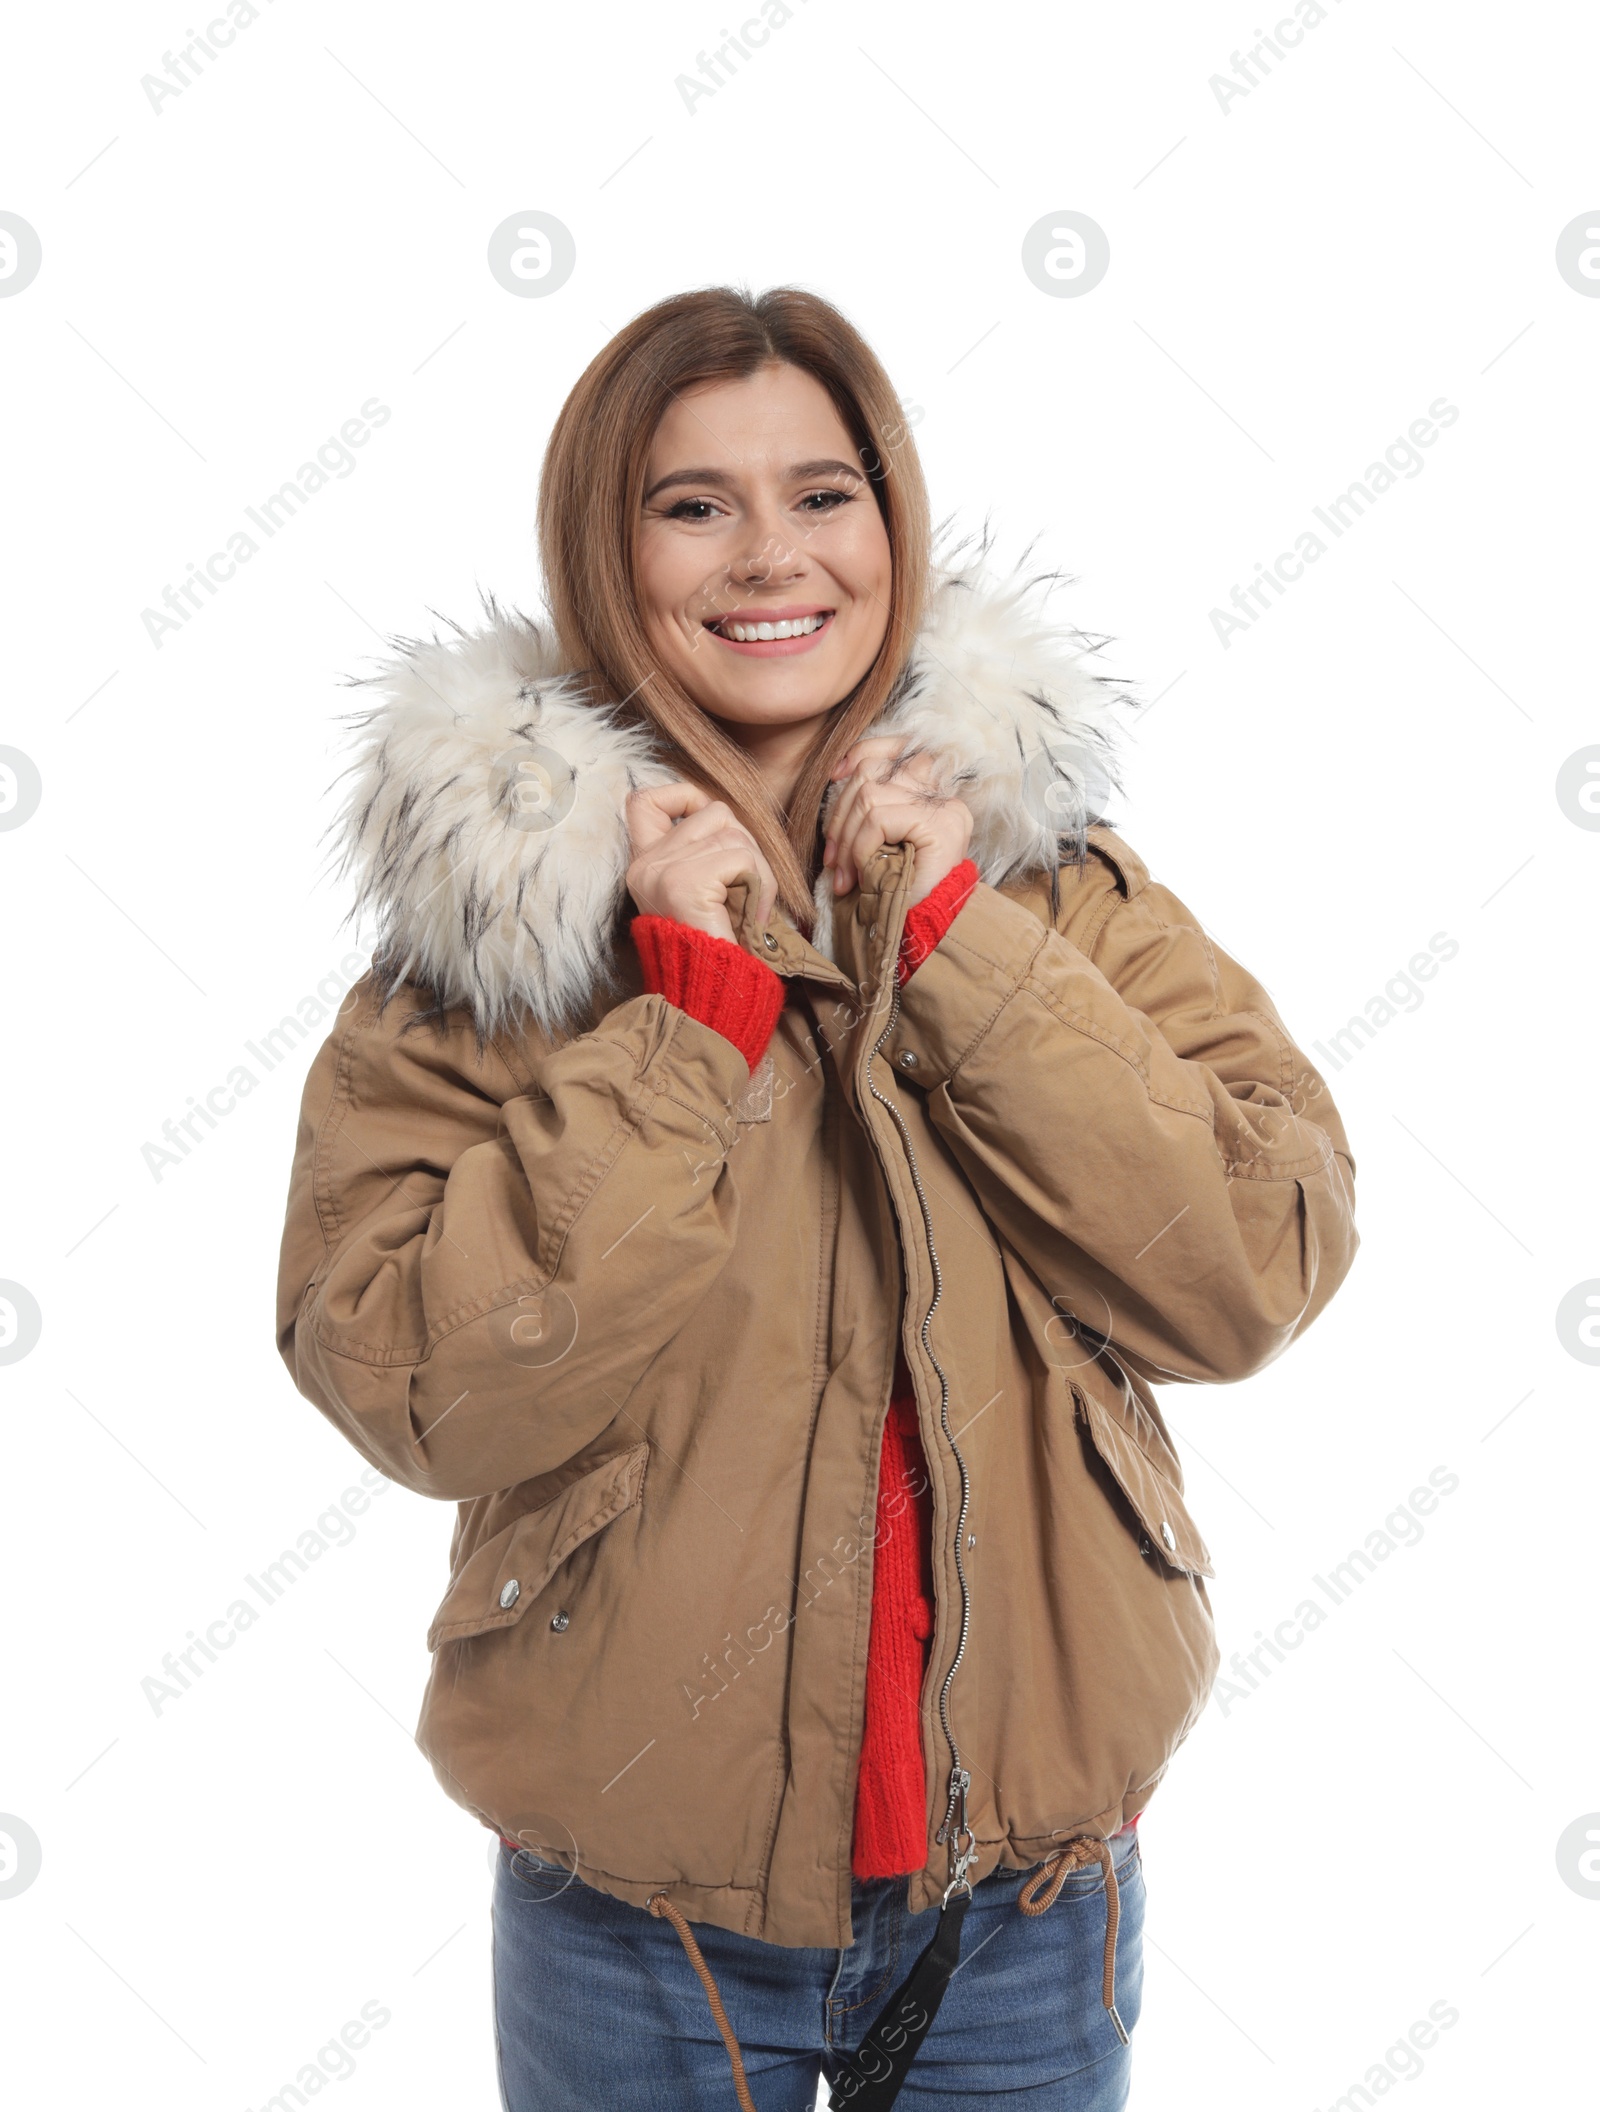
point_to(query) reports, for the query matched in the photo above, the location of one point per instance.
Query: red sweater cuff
(932, 917)
(714, 980)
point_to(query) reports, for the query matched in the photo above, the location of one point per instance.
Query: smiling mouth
(771, 635)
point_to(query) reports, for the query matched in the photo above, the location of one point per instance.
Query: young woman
(782, 1138)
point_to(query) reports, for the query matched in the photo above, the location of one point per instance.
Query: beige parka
(552, 1254)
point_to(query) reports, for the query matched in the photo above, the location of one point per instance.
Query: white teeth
(756, 633)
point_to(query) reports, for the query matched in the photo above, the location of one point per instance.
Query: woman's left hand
(881, 804)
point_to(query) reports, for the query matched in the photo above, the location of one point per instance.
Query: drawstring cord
(1042, 1891)
(663, 1909)
(1037, 1897)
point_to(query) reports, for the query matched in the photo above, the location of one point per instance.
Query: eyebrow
(720, 478)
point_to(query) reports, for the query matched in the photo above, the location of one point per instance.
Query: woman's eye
(830, 500)
(691, 510)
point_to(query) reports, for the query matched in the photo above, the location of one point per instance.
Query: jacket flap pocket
(1154, 1495)
(500, 1578)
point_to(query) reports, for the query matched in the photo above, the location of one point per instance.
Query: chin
(767, 705)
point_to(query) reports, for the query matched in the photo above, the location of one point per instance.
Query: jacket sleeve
(1139, 1127)
(484, 1249)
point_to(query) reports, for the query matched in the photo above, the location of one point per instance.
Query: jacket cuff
(929, 919)
(714, 980)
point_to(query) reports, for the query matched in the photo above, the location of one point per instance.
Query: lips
(772, 633)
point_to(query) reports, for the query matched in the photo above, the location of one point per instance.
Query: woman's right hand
(687, 848)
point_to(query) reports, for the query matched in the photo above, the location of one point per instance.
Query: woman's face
(758, 520)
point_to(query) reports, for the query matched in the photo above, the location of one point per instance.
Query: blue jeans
(596, 2005)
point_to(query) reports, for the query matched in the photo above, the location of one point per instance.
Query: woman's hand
(882, 805)
(687, 847)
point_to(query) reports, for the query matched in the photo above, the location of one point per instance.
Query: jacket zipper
(954, 1832)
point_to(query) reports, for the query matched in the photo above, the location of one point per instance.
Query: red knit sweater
(718, 983)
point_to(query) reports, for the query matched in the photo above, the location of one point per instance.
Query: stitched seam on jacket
(660, 1883)
(1165, 924)
(1245, 1170)
(341, 1099)
(1275, 1028)
(964, 946)
(827, 1223)
(552, 1244)
(463, 1314)
(341, 1103)
(1111, 900)
(468, 1310)
(1127, 867)
(522, 1075)
(617, 1505)
(1211, 960)
(699, 1113)
(1242, 1168)
(1081, 1024)
(1278, 1033)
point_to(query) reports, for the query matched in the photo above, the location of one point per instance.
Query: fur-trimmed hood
(486, 822)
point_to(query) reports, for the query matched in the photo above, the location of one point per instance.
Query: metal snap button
(769, 940)
(907, 1059)
(560, 1621)
(510, 1593)
(1168, 1534)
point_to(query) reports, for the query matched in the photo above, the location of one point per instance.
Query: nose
(771, 559)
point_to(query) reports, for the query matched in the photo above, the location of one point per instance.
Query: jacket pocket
(501, 1578)
(1150, 1487)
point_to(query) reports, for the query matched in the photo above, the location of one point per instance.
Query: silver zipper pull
(955, 1830)
(960, 1783)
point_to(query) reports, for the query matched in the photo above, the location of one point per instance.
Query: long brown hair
(591, 491)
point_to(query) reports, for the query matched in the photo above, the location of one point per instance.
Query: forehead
(762, 420)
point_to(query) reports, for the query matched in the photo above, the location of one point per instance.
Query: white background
(1293, 281)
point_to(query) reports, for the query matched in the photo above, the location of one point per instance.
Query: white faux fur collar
(486, 823)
